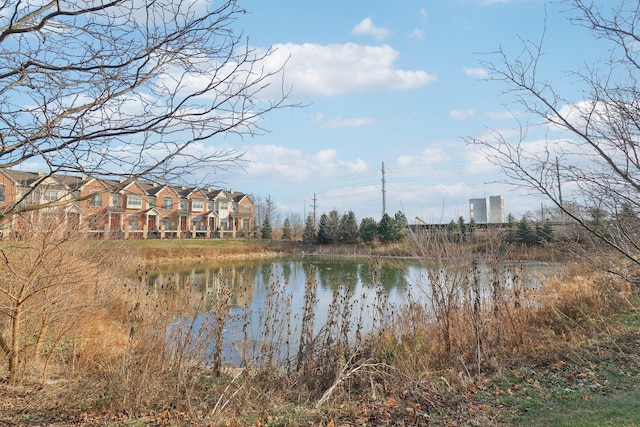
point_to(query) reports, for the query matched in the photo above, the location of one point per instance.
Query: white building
(478, 210)
(487, 210)
(496, 210)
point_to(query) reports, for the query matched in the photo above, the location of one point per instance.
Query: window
(210, 206)
(151, 201)
(223, 205)
(197, 223)
(167, 202)
(134, 201)
(116, 200)
(246, 208)
(95, 200)
(183, 204)
(2, 193)
(197, 205)
(50, 195)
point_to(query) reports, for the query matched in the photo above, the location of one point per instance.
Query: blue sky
(394, 82)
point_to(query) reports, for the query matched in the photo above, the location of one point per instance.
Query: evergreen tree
(323, 226)
(329, 228)
(524, 234)
(286, 230)
(401, 226)
(368, 230)
(462, 229)
(512, 224)
(332, 227)
(471, 228)
(265, 231)
(349, 228)
(309, 233)
(386, 229)
(546, 232)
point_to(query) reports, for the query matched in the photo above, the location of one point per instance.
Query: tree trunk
(15, 342)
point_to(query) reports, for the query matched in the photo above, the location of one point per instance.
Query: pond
(273, 309)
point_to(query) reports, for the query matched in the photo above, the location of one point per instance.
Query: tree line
(334, 228)
(525, 231)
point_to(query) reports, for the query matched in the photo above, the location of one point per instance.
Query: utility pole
(314, 205)
(384, 201)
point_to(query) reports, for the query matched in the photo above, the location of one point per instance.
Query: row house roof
(74, 183)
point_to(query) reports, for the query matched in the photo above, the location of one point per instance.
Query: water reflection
(271, 303)
(274, 308)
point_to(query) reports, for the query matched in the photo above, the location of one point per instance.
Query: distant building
(496, 209)
(478, 210)
(487, 210)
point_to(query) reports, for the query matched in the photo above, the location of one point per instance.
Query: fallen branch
(344, 375)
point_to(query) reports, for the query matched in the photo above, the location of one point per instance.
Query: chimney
(40, 172)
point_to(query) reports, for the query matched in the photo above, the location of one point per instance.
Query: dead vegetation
(130, 353)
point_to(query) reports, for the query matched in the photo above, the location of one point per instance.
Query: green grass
(599, 387)
(617, 408)
(234, 245)
(190, 243)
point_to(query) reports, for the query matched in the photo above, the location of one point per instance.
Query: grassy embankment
(564, 354)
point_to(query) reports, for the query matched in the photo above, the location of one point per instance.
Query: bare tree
(126, 88)
(297, 225)
(49, 283)
(594, 163)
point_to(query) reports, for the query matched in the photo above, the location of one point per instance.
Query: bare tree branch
(595, 160)
(127, 88)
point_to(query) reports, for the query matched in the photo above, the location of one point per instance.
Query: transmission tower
(384, 201)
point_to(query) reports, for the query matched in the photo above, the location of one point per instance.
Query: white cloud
(429, 156)
(367, 27)
(583, 112)
(423, 13)
(417, 33)
(476, 72)
(339, 122)
(477, 161)
(325, 70)
(281, 163)
(461, 114)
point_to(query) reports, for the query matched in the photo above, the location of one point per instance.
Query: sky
(395, 83)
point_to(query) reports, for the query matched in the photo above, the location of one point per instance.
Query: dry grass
(139, 352)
